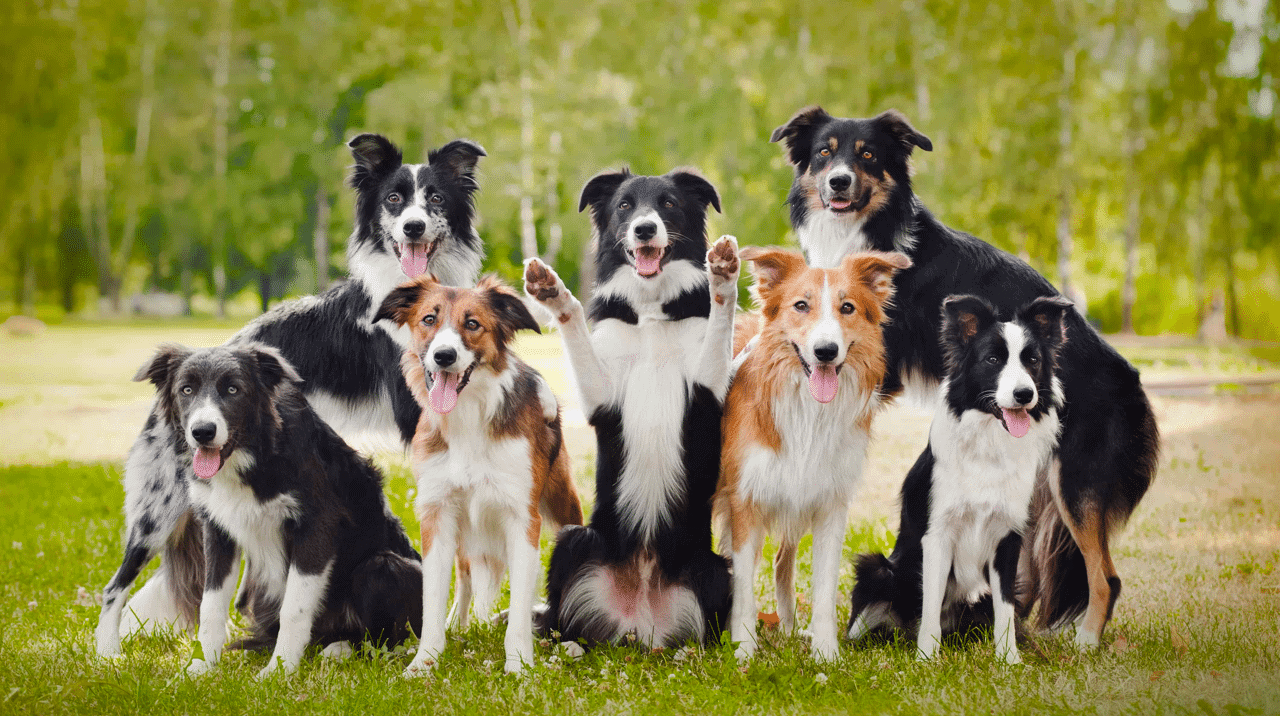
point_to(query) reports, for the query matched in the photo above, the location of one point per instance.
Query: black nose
(204, 432)
(646, 230)
(445, 357)
(1024, 395)
(839, 182)
(415, 229)
(826, 352)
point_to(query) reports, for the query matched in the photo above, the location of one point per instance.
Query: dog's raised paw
(540, 281)
(722, 259)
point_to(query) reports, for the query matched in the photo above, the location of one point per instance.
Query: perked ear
(771, 266)
(457, 158)
(602, 186)
(397, 305)
(160, 368)
(272, 367)
(963, 317)
(375, 156)
(508, 306)
(875, 269)
(896, 124)
(798, 134)
(691, 181)
(1045, 316)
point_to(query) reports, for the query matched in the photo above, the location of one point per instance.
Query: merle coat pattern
(408, 217)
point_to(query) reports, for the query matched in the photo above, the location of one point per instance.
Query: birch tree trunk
(320, 240)
(1065, 240)
(221, 74)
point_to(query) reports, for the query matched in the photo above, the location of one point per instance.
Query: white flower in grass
(820, 677)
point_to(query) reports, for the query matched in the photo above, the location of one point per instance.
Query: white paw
(722, 267)
(745, 651)
(1086, 639)
(925, 652)
(825, 649)
(275, 666)
(514, 665)
(199, 667)
(338, 651)
(544, 286)
(422, 665)
(1010, 656)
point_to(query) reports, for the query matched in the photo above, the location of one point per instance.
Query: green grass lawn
(1197, 629)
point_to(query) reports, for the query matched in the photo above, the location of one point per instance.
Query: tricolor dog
(270, 481)
(651, 377)
(797, 422)
(966, 502)
(489, 457)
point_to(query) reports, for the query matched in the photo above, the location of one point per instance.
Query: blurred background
(169, 158)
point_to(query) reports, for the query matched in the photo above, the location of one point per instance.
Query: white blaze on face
(414, 253)
(1014, 377)
(826, 331)
(446, 381)
(826, 189)
(207, 459)
(648, 256)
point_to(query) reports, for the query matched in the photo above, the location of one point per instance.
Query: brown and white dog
(488, 456)
(797, 422)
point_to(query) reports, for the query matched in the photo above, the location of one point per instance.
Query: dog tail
(874, 594)
(560, 503)
(1053, 569)
(184, 559)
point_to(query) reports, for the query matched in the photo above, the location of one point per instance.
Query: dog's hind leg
(742, 623)
(1002, 572)
(1104, 583)
(460, 612)
(784, 584)
(712, 585)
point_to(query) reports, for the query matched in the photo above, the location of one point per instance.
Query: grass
(1197, 629)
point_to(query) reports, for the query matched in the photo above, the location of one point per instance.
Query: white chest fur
(650, 366)
(256, 526)
(820, 460)
(827, 238)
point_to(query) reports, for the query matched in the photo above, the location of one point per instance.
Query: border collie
(270, 480)
(652, 375)
(797, 422)
(966, 502)
(411, 219)
(852, 192)
(489, 456)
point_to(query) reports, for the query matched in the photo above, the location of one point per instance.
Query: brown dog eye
(393, 198)
(436, 199)
(802, 306)
(473, 325)
(825, 152)
(669, 204)
(866, 155)
(429, 320)
(846, 308)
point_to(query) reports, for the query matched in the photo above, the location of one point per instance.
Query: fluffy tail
(560, 503)
(874, 596)
(184, 559)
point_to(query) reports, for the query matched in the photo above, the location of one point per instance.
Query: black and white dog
(652, 376)
(411, 219)
(966, 501)
(268, 478)
(852, 192)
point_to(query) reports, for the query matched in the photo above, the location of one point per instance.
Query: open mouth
(414, 256)
(1016, 420)
(208, 460)
(445, 387)
(824, 381)
(648, 259)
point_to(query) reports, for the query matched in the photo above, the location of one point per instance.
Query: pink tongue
(444, 392)
(823, 383)
(206, 462)
(648, 261)
(413, 259)
(1016, 421)
(840, 204)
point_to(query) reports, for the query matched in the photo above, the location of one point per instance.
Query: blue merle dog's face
(411, 210)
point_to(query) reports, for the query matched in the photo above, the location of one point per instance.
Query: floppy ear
(272, 366)
(508, 306)
(375, 156)
(770, 265)
(1045, 316)
(396, 306)
(692, 182)
(896, 124)
(602, 186)
(457, 158)
(797, 135)
(160, 368)
(963, 317)
(875, 269)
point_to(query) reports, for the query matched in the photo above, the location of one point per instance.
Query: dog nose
(839, 182)
(445, 357)
(415, 229)
(646, 230)
(204, 432)
(826, 352)
(1024, 395)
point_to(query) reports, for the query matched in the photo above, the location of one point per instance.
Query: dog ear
(508, 306)
(691, 181)
(896, 124)
(375, 156)
(770, 266)
(457, 158)
(875, 270)
(963, 317)
(1045, 316)
(602, 186)
(160, 368)
(797, 135)
(397, 305)
(273, 368)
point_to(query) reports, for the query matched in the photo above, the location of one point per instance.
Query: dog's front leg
(304, 595)
(1003, 570)
(543, 285)
(221, 557)
(828, 541)
(935, 570)
(439, 543)
(742, 622)
(523, 565)
(717, 347)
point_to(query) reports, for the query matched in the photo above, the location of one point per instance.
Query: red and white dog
(797, 422)
(488, 456)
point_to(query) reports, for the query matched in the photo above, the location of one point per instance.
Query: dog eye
(1033, 360)
(993, 360)
(429, 320)
(232, 390)
(867, 155)
(825, 152)
(436, 199)
(669, 204)
(624, 205)
(846, 308)
(802, 306)
(393, 198)
(473, 325)
(186, 390)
